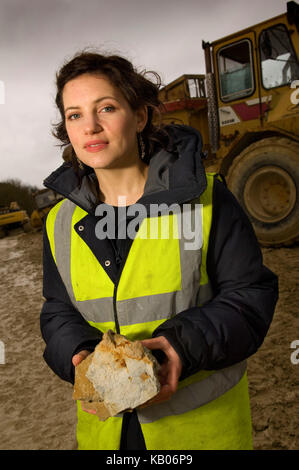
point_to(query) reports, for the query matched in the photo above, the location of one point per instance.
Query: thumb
(157, 346)
(154, 343)
(79, 357)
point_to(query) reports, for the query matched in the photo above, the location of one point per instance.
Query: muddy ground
(36, 408)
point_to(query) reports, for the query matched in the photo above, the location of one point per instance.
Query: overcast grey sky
(37, 36)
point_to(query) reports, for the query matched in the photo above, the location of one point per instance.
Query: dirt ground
(36, 408)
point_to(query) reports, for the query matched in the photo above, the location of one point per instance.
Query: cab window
(196, 87)
(236, 70)
(279, 63)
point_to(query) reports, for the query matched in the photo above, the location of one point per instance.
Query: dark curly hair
(135, 87)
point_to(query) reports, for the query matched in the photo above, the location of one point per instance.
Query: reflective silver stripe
(190, 261)
(96, 310)
(195, 395)
(151, 308)
(139, 309)
(62, 238)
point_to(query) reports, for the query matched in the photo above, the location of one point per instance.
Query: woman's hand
(169, 372)
(76, 359)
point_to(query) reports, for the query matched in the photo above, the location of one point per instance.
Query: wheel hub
(270, 194)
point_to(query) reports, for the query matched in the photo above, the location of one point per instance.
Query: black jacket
(226, 330)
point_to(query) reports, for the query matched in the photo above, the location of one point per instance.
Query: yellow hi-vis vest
(161, 277)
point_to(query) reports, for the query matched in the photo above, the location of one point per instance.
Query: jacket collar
(175, 175)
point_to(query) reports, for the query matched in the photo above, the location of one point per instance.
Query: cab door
(279, 75)
(239, 96)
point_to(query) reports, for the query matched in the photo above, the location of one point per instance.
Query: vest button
(81, 228)
(107, 262)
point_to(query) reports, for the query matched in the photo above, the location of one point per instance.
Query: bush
(14, 190)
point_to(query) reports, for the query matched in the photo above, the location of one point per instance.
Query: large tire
(265, 180)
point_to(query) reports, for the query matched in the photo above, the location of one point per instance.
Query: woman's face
(100, 123)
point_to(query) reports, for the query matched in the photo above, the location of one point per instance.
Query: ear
(142, 117)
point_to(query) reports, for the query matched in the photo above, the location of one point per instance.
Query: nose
(92, 124)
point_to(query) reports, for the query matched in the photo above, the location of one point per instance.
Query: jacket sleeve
(232, 326)
(63, 328)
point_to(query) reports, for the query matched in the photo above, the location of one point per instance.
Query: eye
(73, 116)
(108, 109)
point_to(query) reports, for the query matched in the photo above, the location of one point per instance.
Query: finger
(155, 343)
(163, 373)
(163, 344)
(174, 371)
(164, 395)
(172, 381)
(92, 412)
(169, 381)
(157, 346)
(77, 358)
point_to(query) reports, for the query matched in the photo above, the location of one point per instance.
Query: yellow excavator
(12, 217)
(246, 107)
(44, 199)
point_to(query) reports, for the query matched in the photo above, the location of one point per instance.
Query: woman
(202, 311)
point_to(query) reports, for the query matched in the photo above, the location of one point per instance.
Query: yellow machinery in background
(12, 217)
(44, 199)
(246, 108)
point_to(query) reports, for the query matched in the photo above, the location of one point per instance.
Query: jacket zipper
(121, 262)
(115, 310)
(118, 261)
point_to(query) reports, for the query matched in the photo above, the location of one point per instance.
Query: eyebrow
(94, 102)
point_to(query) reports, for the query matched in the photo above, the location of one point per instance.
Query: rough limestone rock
(119, 375)
(84, 390)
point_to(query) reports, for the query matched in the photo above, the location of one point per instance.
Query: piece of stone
(119, 375)
(83, 388)
(99, 407)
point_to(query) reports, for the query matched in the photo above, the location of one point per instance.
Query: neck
(122, 186)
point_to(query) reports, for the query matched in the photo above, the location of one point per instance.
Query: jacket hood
(175, 175)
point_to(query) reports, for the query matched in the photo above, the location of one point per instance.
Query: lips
(95, 145)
